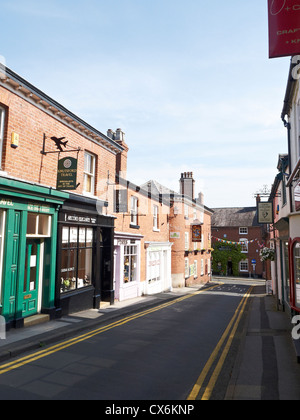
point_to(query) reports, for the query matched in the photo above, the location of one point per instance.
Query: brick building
(73, 230)
(190, 232)
(240, 225)
(56, 248)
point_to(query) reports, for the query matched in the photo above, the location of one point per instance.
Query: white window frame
(186, 211)
(89, 174)
(2, 126)
(244, 245)
(155, 218)
(36, 233)
(202, 267)
(245, 270)
(186, 241)
(243, 231)
(134, 210)
(186, 268)
(195, 268)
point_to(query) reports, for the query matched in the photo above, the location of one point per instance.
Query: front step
(36, 319)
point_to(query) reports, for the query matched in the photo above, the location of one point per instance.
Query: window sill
(156, 230)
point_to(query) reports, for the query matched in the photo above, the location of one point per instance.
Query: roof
(234, 217)
(21, 87)
(156, 188)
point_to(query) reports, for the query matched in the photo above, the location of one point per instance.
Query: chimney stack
(121, 159)
(186, 184)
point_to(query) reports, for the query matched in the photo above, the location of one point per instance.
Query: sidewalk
(266, 367)
(19, 341)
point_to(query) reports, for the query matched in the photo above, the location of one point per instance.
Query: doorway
(33, 273)
(229, 268)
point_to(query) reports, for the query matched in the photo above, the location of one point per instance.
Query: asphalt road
(179, 351)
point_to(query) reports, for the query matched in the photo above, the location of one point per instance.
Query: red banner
(284, 28)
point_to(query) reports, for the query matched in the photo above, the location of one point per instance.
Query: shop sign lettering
(6, 203)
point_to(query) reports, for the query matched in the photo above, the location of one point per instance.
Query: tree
(224, 252)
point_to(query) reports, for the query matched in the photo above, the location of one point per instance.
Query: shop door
(31, 277)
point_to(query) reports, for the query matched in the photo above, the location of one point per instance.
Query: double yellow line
(58, 347)
(230, 333)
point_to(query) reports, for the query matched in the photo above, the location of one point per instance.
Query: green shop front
(28, 240)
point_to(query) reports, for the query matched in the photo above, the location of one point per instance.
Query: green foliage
(224, 252)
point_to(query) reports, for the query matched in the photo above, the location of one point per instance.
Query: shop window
(130, 263)
(89, 173)
(2, 125)
(38, 225)
(2, 230)
(76, 258)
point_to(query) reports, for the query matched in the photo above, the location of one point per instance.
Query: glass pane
(126, 269)
(31, 224)
(65, 235)
(44, 225)
(133, 267)
(73, 237)
(89, 237)
(87, 163)
(68, 270)
(88, 183)
(84, 267)
(82, 237)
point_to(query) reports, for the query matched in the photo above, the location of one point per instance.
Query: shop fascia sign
(284, 28)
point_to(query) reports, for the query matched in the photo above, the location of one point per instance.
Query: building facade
(38, 218)
(189, 232)
(291, 119)
(240, 225)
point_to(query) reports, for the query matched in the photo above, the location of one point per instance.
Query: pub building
(84, 275)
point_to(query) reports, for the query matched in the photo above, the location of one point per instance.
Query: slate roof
(234, 217)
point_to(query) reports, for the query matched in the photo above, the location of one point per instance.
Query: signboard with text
(265, 213)
(67, 174)
(284, 28)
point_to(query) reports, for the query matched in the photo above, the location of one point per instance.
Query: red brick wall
(180, 224)
(254, 233)
(27, 163)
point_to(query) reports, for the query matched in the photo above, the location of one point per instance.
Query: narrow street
(181, 350)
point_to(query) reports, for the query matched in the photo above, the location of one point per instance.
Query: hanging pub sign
(196, 233)
(67, 174)
(284, 28)
(265, 213)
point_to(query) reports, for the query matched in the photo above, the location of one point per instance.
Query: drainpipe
(288, 127)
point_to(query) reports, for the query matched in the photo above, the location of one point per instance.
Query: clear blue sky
(189, 82)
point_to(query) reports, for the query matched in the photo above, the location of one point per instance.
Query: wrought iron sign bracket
(59, 144)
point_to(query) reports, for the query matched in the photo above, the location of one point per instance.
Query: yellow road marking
(197, 387)
(58, 347)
